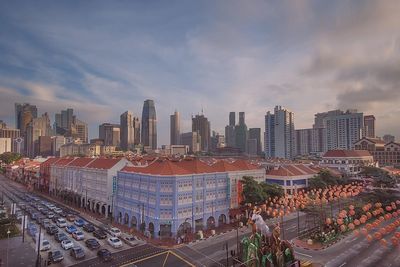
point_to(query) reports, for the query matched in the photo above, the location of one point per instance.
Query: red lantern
(382, 231)
(395, 241)
(351, 226)
(343, 228)
(377, 235)
(362, 220)
(397, 235)
(383, 242)
(356, 232)
(369, 238)
(368, 226)
(351, 207)
(369, 215)
(340, 221)
(364, 231)
(388, 208)
(357, 222)
(352, 212)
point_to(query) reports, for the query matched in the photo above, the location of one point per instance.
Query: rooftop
(346, 154)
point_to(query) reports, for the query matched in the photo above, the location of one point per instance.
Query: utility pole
(227, 254)
(38, 251)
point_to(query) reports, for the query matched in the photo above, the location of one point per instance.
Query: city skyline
(182, 65)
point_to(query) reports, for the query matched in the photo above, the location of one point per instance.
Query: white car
(115, 232)
(67, 244)
(132, 240)
(114, 242)
(61, 222)
(45, 245)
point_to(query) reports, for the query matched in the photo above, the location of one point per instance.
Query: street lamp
(8, 241)
(38, 250)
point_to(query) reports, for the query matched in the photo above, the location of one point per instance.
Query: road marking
(303, 254)
(343, 264)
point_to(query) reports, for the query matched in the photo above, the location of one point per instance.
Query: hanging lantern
(351, 226)
(388, 208)
(368, 226)
(398, 202)
(370, 238)
(381, 218)
(352, 212)
(383, 242)
(397, 235)
(395, 241)
(377, 235)
(364, 231)
(365, 208)
(397, 223)
(357, 222)
(340, 221)
(362, 220)
(356, 232)
(369, 215)
(351, 207)
(382, 231)
(375, 224)
(343, 228)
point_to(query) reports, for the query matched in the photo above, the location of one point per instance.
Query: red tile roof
(244, 165)
(159, 167)
(50, 161)
(224, 166)
(346, 154)
(196, 166)
(63, 161)
(292, 170)
(80, 162)
(103, 163)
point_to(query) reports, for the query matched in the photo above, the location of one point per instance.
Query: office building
(193, 140)
(386, 154)
(37, 127)
(369, 126)
(149, 125)
(110, 134)
(45, 146)
(350, 162)
(175, 128)
(201, 125)
(129, 131)
(56, 143)
(80, 130)
(279, 136)
(241, 133)
(251, 147)
(63, 121)
(24, 113)
(388, 138)
(255, 133)
(230, 138)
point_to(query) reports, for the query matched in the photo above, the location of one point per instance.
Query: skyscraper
(201, 125)
(369, 126)
(255, 133)
(149, 124)
(110, 134)
(175, 128)
(343, 129)
(129, 130)
(230, 131)
(36, 128)
(80, 130)
(279, 134)
(24, 113)
(63, 121)
(241, 133)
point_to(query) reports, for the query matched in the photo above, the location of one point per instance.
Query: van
(61, 222)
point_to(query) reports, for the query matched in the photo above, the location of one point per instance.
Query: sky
(105, 57)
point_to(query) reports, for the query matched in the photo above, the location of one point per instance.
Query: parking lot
(40, 210)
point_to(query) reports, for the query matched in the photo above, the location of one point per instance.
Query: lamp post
(38, 249)
(8, 242)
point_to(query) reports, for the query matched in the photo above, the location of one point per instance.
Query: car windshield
(57, 253)
(115, 240)
(45, 243)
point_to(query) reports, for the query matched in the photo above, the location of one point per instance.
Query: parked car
(63, 214)
(104, 254)
(67, 244)
(55, 256)
(78, 235)
(50, 215)
(100, 234)
(79, 222)
(52, 229)
(55, 218)
(61, 222)
(71, 229)
(45, 245)
(77, 253)
(115, 242)
(88, 228)
(34, 216)
(92, 243)
(115, 232)
(132, 240)
(58, 210)
(60, 237)
(71, 217)
(45, 223)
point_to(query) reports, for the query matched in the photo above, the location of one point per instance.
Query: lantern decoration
(368, 226)
(387, 217)
(362, 220)
(356, 232)
(395, 241)
(352, 212)
(357, 222)
(388, 208)
(351, 226)
(369, 215)
(382, 231)
(381, 218)
(377, 235)
(343, 228)
(383, 242)
(364, 231)
(351, 207)
(376, 224)
(397, 223)
(328, 221)
(370, 238)
(397, 235)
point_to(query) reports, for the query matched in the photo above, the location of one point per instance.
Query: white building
(347, 161)
(279, 136)
(91, 181)
(5, 145)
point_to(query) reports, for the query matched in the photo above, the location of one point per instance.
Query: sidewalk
(19, 254)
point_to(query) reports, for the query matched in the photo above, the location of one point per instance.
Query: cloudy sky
(105, 57)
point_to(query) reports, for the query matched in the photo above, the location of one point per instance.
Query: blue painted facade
(169, 204)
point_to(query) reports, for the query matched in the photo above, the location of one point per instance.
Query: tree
(325, 178)
(272, 190)
(252, 191)
(9, 157)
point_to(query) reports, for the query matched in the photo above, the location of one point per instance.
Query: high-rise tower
(149, 124)
(175, 129)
